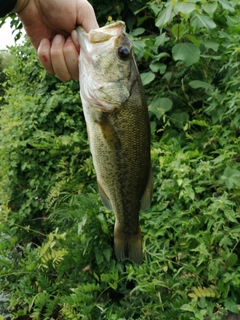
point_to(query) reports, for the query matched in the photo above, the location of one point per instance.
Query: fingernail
(57, 39)
(44, 41)
(69, 39)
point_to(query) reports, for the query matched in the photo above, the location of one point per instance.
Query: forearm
(7, 6)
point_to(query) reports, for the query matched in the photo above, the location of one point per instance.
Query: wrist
(20, 5)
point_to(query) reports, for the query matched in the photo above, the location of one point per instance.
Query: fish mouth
(101, 35)
(107, 32)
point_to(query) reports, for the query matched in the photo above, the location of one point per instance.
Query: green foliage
(56, 246)
(5, 61)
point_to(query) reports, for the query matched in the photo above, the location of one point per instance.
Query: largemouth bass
(118, 128)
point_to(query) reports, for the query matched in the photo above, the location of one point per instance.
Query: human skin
(49, 24)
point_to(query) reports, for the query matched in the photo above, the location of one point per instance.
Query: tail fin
(128, 246)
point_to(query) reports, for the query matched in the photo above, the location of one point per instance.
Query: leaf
(204, 292)
(195, 84)
(186, 52)
(200, 123)
(184, 7)
(139, 48)
(137, 32)
(193, 39)
(230, 305)
(187, 307)
(230, 215)
(160, 40)
(147, 77)
(210, 7)
(202, 303)
(232, 260)
(165, 15)
(179, 118)
(227, 5)
(193, 295)
(231, 177)
(107, 253)
(178, 30)
(160, 106)
(158, 67)
(211, 45)
(201, 21)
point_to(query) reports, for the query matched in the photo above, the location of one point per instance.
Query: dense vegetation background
(56, 238)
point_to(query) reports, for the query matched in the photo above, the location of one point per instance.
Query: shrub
(56, 237)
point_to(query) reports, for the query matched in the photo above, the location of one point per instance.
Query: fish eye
(123, 53)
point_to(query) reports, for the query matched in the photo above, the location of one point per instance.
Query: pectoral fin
(114, 94)
(105, 200)
(147, 196)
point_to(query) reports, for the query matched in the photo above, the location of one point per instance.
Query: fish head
(107, 66)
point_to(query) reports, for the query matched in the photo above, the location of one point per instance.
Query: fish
(116, 115)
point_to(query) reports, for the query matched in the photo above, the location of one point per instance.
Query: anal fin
(147, 196)
(105, 200)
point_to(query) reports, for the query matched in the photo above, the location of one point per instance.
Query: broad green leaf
(139, 48)
(193, 39)
(165, 15)
(232, 260)
(200, 21)
(147, 77)
(210, 7)
(107, 253)
(160, 106)
(186, 52)
(231, 305)
(195, 84)
(222, 157)
(231, 177)
(158, 67)
(154, 7)
(227, 5)
(153, 126)
(211, 45)
(178, 30)
(202, 302)
(179, 118)
(187, 307)
(137, 32)
(142, 19)
(160, 56)
(160, 40)
(184, 7)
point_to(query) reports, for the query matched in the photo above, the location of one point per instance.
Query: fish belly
(120, 146)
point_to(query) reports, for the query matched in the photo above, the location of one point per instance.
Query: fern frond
(49, 254)
(199, 292)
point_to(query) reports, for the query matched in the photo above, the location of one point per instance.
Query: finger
(44, 55)
(75, 39)
(71, 58)
(86, 16)
(57, 58)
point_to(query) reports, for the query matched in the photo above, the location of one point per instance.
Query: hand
(48, 24)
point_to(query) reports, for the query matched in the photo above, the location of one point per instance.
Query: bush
(56, 237)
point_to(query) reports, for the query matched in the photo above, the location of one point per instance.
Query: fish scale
(116, 114)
